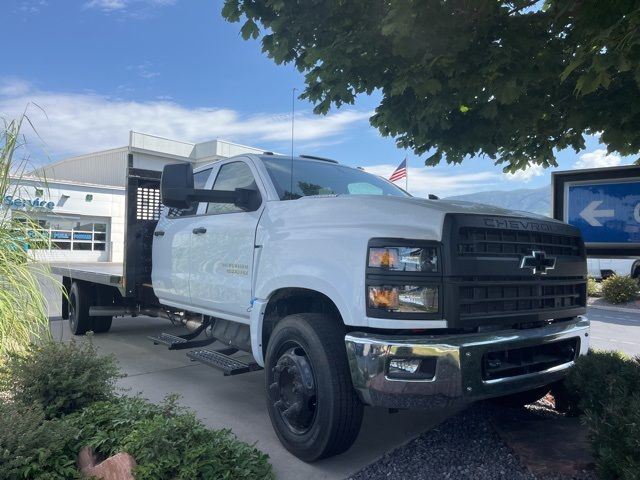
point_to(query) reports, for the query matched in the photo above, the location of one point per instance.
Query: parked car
(602, 268)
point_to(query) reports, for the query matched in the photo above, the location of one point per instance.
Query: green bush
(59, 377)
(60, 397)
(605, 388)
(167, 441)
(619, 289)
(593, 289)
(32, 447)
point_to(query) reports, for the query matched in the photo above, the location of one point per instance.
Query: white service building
(79, 202)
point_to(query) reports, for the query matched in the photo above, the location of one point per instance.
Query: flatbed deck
(104, 273)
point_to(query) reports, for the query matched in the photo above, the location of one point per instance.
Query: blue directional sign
(605, 212)
(604, 203)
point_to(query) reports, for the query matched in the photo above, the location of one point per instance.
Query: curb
(615, 309)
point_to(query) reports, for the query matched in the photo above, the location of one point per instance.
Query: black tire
(79, 301)
(101, 324)
(327, 411)
(521, 399)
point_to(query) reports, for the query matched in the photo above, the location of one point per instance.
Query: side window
(231, 176)
(199, 181)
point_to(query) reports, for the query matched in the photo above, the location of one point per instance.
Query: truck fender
(259, 305)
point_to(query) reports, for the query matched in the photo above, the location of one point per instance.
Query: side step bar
(222, 361)
(188, 340)
(175, 342)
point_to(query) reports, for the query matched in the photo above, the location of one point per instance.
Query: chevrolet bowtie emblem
(538, 262)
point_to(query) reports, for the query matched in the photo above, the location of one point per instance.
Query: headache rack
(142, 212)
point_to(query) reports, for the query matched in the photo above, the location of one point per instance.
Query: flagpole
(406, 178)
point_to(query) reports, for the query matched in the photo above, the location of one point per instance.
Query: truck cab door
(171, 250)
(222, 247)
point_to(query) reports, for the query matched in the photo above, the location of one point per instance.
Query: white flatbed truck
(344, 288)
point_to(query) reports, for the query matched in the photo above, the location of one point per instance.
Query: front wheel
(310, 398)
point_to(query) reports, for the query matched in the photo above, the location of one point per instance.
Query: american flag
(400, 172)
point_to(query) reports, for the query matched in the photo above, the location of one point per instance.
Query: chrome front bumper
(458, 371)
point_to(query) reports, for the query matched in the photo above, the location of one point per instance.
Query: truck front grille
(527, 360)
(491, 242)
(484, 297)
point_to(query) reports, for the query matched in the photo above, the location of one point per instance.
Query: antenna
(293, 111)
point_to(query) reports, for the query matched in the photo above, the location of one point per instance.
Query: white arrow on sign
(591, 213)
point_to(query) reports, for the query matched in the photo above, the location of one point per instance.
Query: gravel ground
(464, 447)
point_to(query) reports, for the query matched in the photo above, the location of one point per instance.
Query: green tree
(513, 80)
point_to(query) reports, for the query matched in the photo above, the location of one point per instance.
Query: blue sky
(174, 68)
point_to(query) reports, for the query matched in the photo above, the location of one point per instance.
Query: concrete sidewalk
(238, 402)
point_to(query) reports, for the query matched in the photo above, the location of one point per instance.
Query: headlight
(404, 298)
(404, 259)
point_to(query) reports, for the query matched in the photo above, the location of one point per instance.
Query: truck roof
(301, 157)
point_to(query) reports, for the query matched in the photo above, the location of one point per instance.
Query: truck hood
(443, 206)
(377, 216)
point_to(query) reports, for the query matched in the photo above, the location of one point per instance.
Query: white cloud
(84, 122)
(33, 6)
(14, 87)
(526, 175)
(144, 70)
(598, 159)
(109, 6)
(426, 180)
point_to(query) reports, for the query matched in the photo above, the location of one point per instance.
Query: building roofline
(131, 132)
(78, 157)
(44, 182)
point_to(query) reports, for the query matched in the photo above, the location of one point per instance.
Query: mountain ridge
(534, 200)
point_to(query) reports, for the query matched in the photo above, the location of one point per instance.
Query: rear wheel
(101, 324)
(79, 301)
(310, 398)
(81, 297)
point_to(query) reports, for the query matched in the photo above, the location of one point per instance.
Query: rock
(87, 458)
(118, 467)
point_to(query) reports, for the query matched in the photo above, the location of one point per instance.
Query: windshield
(324, 178)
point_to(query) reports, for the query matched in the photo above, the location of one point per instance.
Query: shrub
(167, 441)
(605, 387)
(60, 398)
(619, 289)
(59, 377)
(593, 289)
(32, 447)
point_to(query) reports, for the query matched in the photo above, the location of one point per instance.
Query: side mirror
(176, 185)
(247, 199)
(176, 190)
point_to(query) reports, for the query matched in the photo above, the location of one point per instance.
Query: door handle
(158, 233)
(199, 230)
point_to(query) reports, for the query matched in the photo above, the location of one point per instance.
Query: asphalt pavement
(611, 330)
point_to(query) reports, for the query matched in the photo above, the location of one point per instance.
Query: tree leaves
(504, 78)
(249, 30)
